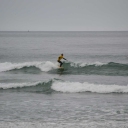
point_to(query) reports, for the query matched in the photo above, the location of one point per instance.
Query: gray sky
(64, 15)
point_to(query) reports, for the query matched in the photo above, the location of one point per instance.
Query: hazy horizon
(64, 15)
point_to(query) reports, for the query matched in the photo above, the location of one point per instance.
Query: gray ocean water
(90, 92)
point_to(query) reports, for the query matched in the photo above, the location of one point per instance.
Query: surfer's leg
(60, 63)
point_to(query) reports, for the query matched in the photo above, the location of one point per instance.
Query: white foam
(73, 87)
(83, 64)
(43, 66)
(47, 66)
(16, 85)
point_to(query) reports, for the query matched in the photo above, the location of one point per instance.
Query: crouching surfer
(59, 58)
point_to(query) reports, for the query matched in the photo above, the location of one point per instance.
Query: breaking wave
(74, 87)
(63, 87)
(98, 68)
(42, 66)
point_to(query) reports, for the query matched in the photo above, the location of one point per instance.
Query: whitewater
(70, 67)
(43, 66)
(91, 91)
(66, 87)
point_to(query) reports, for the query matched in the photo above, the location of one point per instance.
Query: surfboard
(60, 67)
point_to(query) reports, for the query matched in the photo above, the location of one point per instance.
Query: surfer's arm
(64, 59)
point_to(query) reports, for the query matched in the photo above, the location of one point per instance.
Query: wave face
(63, 87)
(28, 66)
(36, 87)
(97, 68)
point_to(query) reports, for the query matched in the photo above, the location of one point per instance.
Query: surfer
(59, 58)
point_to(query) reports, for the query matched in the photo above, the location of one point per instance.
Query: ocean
(90, 92)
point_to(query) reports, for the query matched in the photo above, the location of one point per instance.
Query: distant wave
(97, 68)
(63, 87)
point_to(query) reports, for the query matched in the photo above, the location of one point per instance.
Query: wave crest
(43, 66)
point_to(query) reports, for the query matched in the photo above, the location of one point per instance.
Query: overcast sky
(64, 15)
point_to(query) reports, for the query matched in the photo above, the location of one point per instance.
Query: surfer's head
(62, 54)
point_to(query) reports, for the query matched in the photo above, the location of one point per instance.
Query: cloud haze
(63, 15)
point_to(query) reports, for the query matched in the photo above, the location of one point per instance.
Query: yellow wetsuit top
(60, 57)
